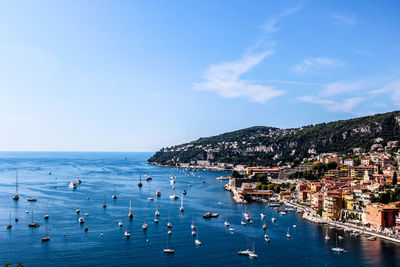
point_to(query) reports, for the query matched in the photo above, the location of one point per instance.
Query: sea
(104, 244)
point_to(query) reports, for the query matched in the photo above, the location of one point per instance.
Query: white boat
(245, 252)
(120, 224)
(243, 222)
(150, 198)
(226, 223)
(273, 220)
(288, 234)
(340, 237)
(156, 220)
(197, 241)
(157, 213)
(193, 226)
(130, 213)
(16, 196)
(326, 235)
(81, 220)
(253, 253)
(181, 209)
(78, 211)
(46, 216)
(169, 232)
(169, 224)
(262, 215)
(127, 234)
(193, 233)
(144, 226)
(115, 194)
(337, 248)
(372, 238)
(168, 250)
(294, 226)
(87, 214)
(266, 238)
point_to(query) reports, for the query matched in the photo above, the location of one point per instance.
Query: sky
(142, 75)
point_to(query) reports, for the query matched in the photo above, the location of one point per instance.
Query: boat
(169, 224)
(16, 196)
(127, 234)
(246, 215)
(181, 209)
(231, 229)
(74, 183)
(222, 178)
(46, 238)
(9, 225)
(78, 211)
(148, 178)
(264, 227)
(288, 235)
(251, 222)
(157, 213)
(33, 224)
(207, 215)
(266, 238)
(144, 225)
(87, 214)
(81, 220)
(226, 223)
(105, 203)
(243, 222)
(189, 185)
(197, 241)
(173, 196)
(245, 252)
(16, 219)
(172, 182)
(326, 235)
(273, 220)
(158, 193)
(115, 195)
(120, 223)
(130, 213)
(253, 253)
(169, 232)
(168, 250)
(193, 233)
(184, 192)
(46, 216)
(340, 237)
(294, 226)
(337, 249)
(193, 226)
(140, 181)
(31, 199)
(155, 220)
(372, 238)
(262, 215)
(86, 229)
(150, 198)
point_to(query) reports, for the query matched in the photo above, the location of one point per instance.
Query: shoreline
(211, 168)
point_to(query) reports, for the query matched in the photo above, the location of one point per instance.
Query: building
(332, 205)
(381, 216)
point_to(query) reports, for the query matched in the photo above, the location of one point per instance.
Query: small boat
(81, 220)
(9, 225)
(16, 196)
(340, 237)
(31, 199)
(86, 229)
(226, 223)
(169, 224)
(87, 214)
(144, 225)
(156, 220)
(46, 216)
(130, 213)
(158, 193)
(181, 209)
(197, 241)
(27, 211)
(294, 226)
(127, 234)
(288, 234)
(105, 203)
(207, 215)
(251, 222)
(148, 178)
(169, 232)
(140, 181)
(33, 224)
(266, 238)
(337, 249)
(74, 184)
(120, 223)
(243, 222)
(264, 227)
(184, 192)
(193, 226)
(231, 229)
(114, 196)
(46, 238)
(193, 233)
(326, 235)
(77, 211)
(253, 253)
(150, 198)
(262, 215)
(372, 238)
(273, 220)
(244, 252)
(189, 185)
(16, 219)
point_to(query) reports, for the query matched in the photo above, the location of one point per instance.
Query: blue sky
(141, 75)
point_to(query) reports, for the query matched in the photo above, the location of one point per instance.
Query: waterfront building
(332, 205)
(381, 216)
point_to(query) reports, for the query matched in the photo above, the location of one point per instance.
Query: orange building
(381, 216)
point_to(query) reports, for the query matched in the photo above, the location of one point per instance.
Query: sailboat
(253, 253)
(16, 197)
(243, 222)
(288, 235)
(105, 203)
(115, 195)
(168, 250)
(246, 215)
(9, 225)
(140, 181)
(337, 249)
(46, 238)
(197, 241)
(264, 227)
(120, 223)
(158, 193)
(157, 213)
(226, 223)
(144, 226)
(173, 196)
(33, 224)
(326, 235)
(130, 213)
(193, 226)
(266, 238)
(247, 251)
(181, 209)
(169, 224)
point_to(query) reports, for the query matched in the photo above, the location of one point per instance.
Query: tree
(277, 188)
(236, 174)
(270, 186)
(394, 181)
(292, 187)
(332, 165)
(259, 186)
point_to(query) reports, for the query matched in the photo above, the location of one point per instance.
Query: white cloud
(349, 20)
(317, 63)
(224, 79)
(392, 89)
(342, 87)
(346, 105)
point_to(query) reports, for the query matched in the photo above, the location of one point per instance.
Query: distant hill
(261, 145)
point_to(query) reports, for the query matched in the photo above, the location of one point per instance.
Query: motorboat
(9, 225)
(120, 224)
(193, 226)
(46, 216)
(144, 226)
(197, 242)
(226, 223)
(251, 222)
(148, 178)
(266, 238)
(140, 181)
(87, 214)
(169, 251)
(372, 238)
(77, 211)
(174, 197)
(337, 248)
(114, 196)
(156, 220)
(158, 193)
(81, 220)
(273, 220)
(207, 215)
(169, 232)
(150, 198)
(326, 235)
(31, 199)
(127, 234)
(245, 252)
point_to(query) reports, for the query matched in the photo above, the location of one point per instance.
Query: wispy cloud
(317, 63)
(349, 20)
(346, 105)
(225, 78)
(342, 87)
(392, 89)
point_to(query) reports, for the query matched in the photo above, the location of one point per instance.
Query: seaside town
(358, 193)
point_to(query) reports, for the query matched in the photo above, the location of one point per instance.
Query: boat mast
(16, 184)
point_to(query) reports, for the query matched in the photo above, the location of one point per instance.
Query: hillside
(271, 146)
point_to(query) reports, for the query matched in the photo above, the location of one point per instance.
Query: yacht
(31, 199)
(197, 241)
(16, 196)
(262, 215)
(130, 213)
(120, 224)
(78, 211)
(158, 193)
(253, 253)
(245, 252)
(150, 198)
(46, 238)
(81, 220)
(266, 238)
(193, 226)
(127, 234)
(168, 250)
(33, 224)
(326, 235)
(288, 235)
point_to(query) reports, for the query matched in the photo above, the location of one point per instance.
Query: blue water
(102, 172)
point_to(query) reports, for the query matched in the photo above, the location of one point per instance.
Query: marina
(108, 236)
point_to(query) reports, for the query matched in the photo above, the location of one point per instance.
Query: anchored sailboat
(105, 202)
(181, 209)
(144, 226)
(140, 181)
(337, 248)
(130, 213)
(9, 225)
(16, 197)
(46, 238)
(168, 250)
(33, 224)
